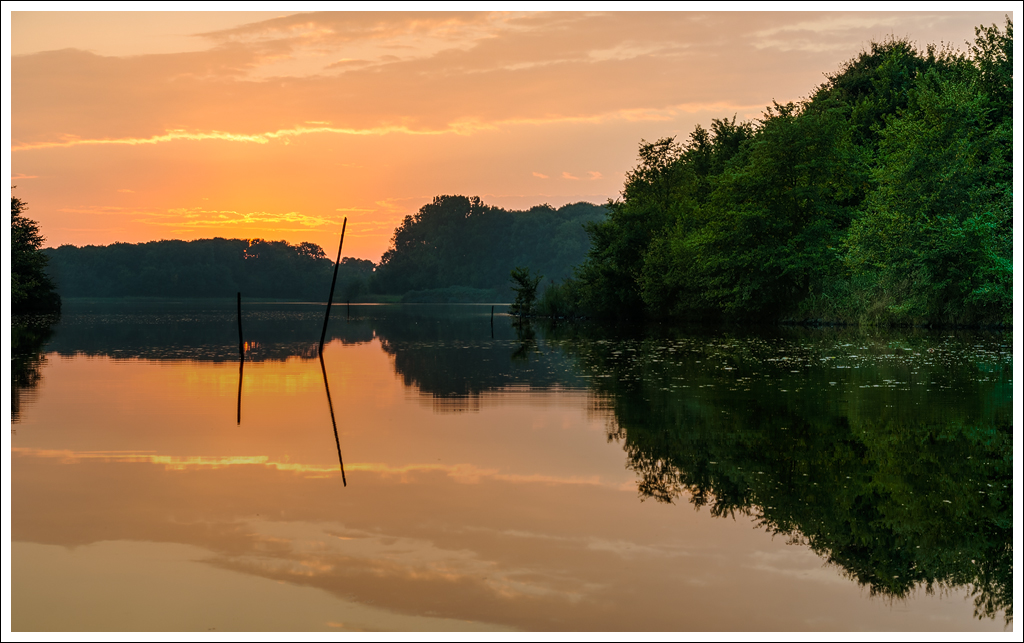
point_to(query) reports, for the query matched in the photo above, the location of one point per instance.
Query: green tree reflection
(898, 489)
(29, 333)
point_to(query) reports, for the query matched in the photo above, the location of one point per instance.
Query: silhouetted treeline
(458, 242)
(453, 249)
(886, 197)
(205, 268)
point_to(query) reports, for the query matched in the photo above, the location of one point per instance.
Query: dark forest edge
(257, 268)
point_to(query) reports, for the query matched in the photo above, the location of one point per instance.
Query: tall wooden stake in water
(330, 297)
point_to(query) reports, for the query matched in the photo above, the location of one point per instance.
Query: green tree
(992, 53)
(648, 206)
(525, 286)
(31, 288)
(934, 244)
(458, 243)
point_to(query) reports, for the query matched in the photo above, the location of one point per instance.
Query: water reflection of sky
(491, 491)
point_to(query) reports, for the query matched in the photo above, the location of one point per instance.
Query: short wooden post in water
(330, 297)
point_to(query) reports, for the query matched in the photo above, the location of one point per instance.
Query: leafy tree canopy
(460, 241)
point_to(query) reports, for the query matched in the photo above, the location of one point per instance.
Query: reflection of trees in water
(897, 487)
(891, 482)
(206, 335)
(29, 334)
(527, 340)
(454, 359)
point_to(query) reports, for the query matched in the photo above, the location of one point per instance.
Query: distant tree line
(453, 249)
(205, 268)
(886, 197)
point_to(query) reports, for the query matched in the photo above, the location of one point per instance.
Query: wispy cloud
(460, 128)
(401, 204)
(566, 175)
(463, 473)
(827, 32)
(200, 218)
(540, 176)
(261, 138)
(101, 210)
(594, 175)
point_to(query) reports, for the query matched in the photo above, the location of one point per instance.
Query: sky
(139, 126)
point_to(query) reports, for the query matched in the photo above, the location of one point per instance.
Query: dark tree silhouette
(32, 291)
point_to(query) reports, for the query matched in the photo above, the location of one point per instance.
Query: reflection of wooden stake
(492, 322)
(241, 367)
(241, 360)
(337, 441)
(241, 344)
(330, 297)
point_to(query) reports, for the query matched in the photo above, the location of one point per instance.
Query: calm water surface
(489, 477)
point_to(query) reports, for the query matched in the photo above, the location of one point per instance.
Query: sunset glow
(136, 126)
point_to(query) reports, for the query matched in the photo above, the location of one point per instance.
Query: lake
(438, 468)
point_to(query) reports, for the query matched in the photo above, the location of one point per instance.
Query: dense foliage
(32, 291)
(205, 268)
(456, 241)
(886, 197)
(525, 286)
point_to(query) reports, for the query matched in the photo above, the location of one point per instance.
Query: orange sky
(134, 126)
